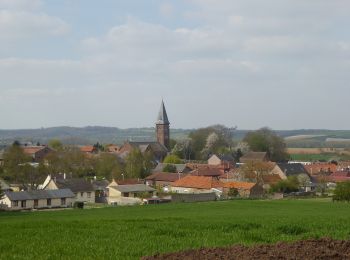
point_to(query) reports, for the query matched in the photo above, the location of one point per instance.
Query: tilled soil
(306, 249)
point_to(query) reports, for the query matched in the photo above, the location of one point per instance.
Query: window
(23, 203)
(48, 202)
(89, 194)
(15, 203)
(36, 203)
(81, 194)
(63, 201)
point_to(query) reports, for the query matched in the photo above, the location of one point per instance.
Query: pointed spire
(162, 116)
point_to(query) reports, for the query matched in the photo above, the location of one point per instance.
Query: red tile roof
(32, 149)
(239, 185)
(198, 182)
(208, 171)
(316, 168)
(87, 149)
(165, 176)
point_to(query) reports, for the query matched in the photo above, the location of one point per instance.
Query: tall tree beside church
(138, 165)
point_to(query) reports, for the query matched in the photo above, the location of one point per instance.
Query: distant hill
(84, 135)
(93, 134)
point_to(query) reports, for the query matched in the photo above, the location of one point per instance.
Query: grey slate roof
(162, 115)
(291, 169)
(40, 194)
(133, 188)
(75, 185)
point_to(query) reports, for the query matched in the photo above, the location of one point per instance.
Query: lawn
(131, 232)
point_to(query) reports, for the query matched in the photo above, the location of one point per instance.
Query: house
(227, 161)
(128, 194)
(38, 199)
(285, 170)
(182, 168)
(158, 150)
(113, 148)
(197, 184)
(88, 149)
(339, 176)
(101, 191)
(208, 172)
(254, 157)
(320, 168)
(269, 180)
(245, 189)
(83, 189)
(37, 153)
(162, 179)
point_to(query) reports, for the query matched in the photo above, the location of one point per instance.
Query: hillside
(93, 134)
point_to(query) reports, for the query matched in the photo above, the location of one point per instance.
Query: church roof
(162, 116)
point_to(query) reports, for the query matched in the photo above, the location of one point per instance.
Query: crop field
(132, 232)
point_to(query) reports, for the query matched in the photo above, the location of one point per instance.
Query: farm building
(197, 184)
(254, 157)
(38, 199)
(163, 179)
(128, 194)
(245, 189)
(83, 189)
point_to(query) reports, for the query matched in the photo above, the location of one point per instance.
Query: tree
(56, 145)
(206, 141)
(265, 140)
(170, 168)
(14, 157)
(173, 159)
(233, 192)
(108, 166)
(286, 186)
(138, 165)
(256, 170)
(342, 192)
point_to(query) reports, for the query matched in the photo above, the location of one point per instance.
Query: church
(159, 148)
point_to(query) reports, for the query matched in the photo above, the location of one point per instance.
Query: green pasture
(132, 232)
(319, 157)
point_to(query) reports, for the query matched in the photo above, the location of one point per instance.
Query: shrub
(286, 186)
(342, 192)
(170, 168)
(78, 205)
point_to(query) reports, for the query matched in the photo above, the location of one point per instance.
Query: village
(223, 176)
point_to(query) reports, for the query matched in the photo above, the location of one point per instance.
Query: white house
(37, 199)
(83, 189)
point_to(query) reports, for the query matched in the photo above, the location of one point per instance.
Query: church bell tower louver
(163, 127)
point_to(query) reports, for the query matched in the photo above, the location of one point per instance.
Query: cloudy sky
(246, 63)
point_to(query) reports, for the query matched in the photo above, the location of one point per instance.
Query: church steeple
(162, 115)
(163, 127)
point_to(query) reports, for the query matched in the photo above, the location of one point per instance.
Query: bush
(286, 186)
(174, 159)
(78, 205)
(342, 192)
(170, 168)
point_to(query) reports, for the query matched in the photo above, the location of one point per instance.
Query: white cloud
(22, 24)
(20, 4)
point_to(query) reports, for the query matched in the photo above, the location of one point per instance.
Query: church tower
(163, 127)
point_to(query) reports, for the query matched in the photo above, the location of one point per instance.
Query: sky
(246, 63)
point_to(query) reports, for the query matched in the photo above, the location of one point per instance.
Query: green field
(319, 157)
(131, 232)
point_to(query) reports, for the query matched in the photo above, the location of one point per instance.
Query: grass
(319, 157)
(132, 232)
